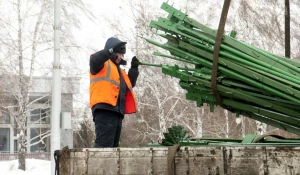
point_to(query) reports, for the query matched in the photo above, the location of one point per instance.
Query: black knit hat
(120, 49)
(112, 42)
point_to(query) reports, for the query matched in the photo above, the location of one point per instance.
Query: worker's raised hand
(134, 62)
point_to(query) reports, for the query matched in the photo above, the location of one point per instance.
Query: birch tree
(84, 130)
(26, 45)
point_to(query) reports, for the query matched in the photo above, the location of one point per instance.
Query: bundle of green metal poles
(251, 82)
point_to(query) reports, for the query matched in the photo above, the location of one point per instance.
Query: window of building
(4, 117)
(16, 146)
(4, 139)
(36, 137)
(40, 116)
(15, 131)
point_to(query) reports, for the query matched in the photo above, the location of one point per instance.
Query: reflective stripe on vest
(98, 94)
(106, 78)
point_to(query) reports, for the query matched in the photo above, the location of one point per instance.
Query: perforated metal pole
(56, 87)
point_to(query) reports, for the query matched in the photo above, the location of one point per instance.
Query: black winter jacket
(97, 61)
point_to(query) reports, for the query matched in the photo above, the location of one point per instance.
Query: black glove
(134, 62)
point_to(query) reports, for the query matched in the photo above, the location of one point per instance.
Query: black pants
(108, 125)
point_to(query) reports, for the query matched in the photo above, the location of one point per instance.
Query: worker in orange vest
(111, 94)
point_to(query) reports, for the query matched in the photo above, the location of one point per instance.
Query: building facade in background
(39, 116)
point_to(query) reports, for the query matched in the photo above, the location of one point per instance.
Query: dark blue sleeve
(97, 61)
(133, 74)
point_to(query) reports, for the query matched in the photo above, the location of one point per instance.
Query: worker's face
(120, 57)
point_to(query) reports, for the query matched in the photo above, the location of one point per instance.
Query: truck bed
(208, 160)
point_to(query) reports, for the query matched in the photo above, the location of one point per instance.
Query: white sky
(91, 31)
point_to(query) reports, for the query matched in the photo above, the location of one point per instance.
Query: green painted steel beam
(250, 50)
(164, 23)
(250, 81)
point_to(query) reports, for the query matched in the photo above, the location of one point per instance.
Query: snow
(33, 167)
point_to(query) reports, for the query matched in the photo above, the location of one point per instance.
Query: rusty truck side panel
(235, 160)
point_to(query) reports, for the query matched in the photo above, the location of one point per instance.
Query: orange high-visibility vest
(105, 87)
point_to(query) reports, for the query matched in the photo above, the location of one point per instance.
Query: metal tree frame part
(250, 81)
